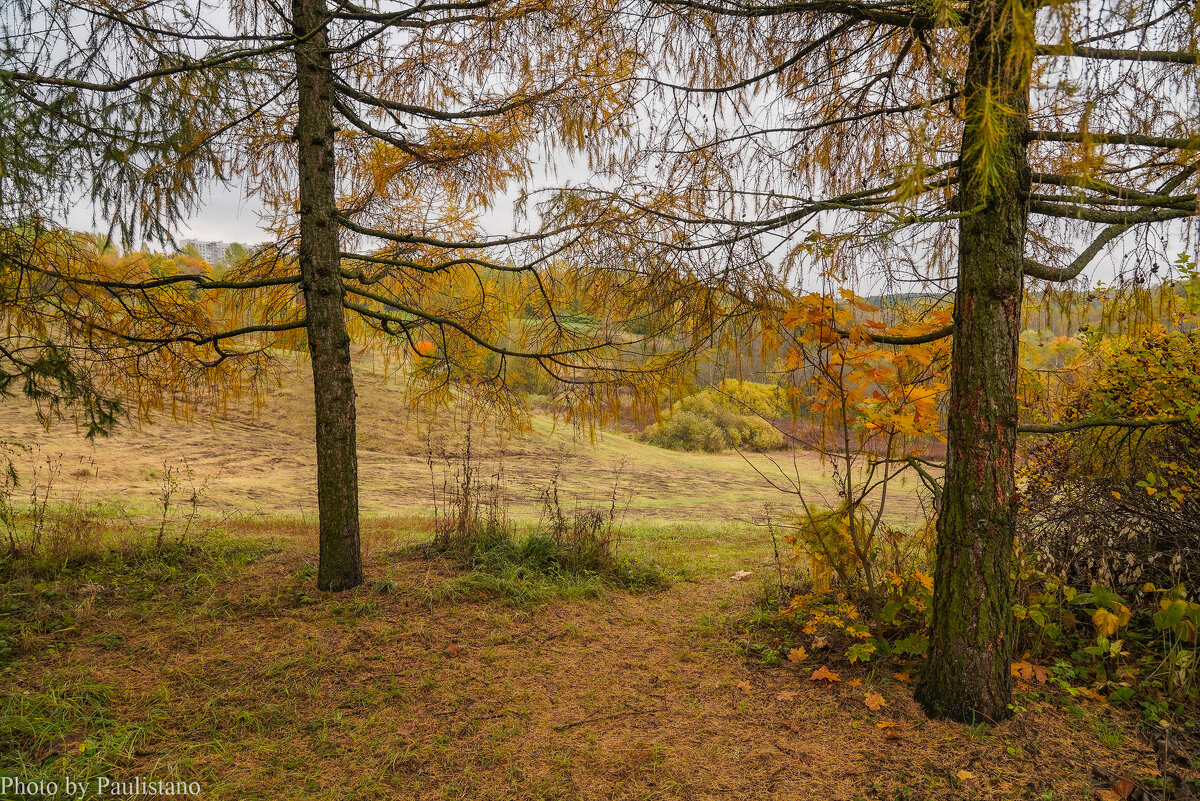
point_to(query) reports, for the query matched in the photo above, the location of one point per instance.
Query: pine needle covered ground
(220, 664)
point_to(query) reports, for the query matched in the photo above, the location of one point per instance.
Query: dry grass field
(262, 461)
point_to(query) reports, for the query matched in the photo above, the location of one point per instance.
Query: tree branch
(1062, 428)
(1113, 54)
(1101, 138)
(903, 339)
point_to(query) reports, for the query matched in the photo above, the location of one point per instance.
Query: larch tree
(376, 136)
(971, 145)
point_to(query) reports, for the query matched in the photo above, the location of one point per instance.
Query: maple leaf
(794, 318)
(964, 775)
(825, 673)
(744, 686)
(1041, 674)
(901, 676)
(874, 701)
(785, 695)
(854, 683)
(797, 654)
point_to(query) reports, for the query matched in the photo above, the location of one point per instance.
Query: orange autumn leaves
(880, 391)
(823, 673)
(872, 700)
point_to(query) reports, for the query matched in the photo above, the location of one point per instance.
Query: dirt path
(258, 690)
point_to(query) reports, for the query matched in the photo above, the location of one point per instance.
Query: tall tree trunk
(328, 342)
(967, 675)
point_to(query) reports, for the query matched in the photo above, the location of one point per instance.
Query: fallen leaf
(874, 701)
(885, 724)
(1021, 670)
(1041, 674)
(797, 654)
(825, 673)
(742, 575)
(854, 683)
(965, 775)
(819, 643)
(792, 727)
(785, 695)
(1124, 787)
(892, 735)
(453, 650)
(901, 676)
(1109, 795)
(744, 686)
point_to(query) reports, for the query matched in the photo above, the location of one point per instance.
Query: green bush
(749, 398)
(687, 431)
(734, 414)
(757, 435)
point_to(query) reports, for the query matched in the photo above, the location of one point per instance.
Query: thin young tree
(971, 145)
(376, 136)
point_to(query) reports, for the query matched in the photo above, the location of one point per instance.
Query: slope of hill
(263, 460)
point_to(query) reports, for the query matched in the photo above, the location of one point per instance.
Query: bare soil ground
(245, 683)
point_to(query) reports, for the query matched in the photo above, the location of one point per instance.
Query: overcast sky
(228, 216)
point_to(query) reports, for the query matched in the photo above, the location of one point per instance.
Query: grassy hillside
(263, 461)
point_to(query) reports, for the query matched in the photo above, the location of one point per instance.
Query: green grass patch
(533, 568)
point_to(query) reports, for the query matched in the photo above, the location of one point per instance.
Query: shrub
(687, 431)
(733, 414)
(1118, 506)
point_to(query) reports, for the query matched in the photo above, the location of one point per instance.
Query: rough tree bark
(328, 341)
(967, 675)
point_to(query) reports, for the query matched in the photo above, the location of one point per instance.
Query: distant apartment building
(211, 252)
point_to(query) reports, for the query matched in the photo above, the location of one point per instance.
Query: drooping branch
(1103, 138)
(1045, 272)
(901, 339)
(1125, 218)
(1114, 54)
(887, 13)
(1078, 425)
(213, 61)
